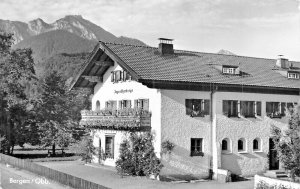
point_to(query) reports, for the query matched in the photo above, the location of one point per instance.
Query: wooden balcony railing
(125, 119)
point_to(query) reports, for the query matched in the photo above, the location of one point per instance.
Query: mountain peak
(74, 16)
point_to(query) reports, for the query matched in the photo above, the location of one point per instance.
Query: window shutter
(120, 104)
(146, 104)
(225, 107)
(188, 106)
(112, 76)
(258, 108)
(136, 104)
(122, 76)
(206, 107)
(128, 104)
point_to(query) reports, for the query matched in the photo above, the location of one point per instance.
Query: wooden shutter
(206, 107)
(136, 104)
(188, 106)
(120, 104)
(128, 104)
(225, 107)
(146, 104)
(112, 76)
(258, 108)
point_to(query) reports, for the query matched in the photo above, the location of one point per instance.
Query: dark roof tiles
(188, 66)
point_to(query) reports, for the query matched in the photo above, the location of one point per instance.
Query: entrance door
(273, 161)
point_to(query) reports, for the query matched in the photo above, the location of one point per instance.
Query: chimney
(165, 46)
(283, 62)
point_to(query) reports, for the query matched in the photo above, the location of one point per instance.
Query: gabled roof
(146, 64)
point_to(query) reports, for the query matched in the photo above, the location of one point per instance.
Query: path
(108, 177)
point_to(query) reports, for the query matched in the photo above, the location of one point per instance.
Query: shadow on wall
(180, 165)
(245, 164)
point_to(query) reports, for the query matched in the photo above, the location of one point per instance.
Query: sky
(259, 28)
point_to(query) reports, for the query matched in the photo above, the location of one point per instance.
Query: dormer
(230, 69)
(293, 75)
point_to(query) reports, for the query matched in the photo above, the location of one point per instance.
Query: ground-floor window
(257, 144)
(226, 145)
(196, 147)
(242, 145)
(109, 147)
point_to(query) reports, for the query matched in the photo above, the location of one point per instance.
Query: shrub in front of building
(287, 143)
(137, 156)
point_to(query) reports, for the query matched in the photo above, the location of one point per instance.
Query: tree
(58, 112)
(17, 76)
(287, 143)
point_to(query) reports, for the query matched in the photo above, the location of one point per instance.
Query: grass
(39, 153)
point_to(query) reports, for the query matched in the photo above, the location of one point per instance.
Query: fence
(49, 173)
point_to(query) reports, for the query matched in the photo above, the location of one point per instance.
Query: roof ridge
(124, 44)
(190, 51)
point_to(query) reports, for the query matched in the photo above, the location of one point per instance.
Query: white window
(124, 104)
(229, 70)
(293, 75)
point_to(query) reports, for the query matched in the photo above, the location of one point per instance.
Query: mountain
(65, 64)
(54, 42)
(226, 52)
(75, 24)
(71, 34)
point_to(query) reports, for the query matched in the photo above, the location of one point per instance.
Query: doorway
(273, 160)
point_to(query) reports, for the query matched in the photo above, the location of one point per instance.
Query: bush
(137, 156)
(85, 149)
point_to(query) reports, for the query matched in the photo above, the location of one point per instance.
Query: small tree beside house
(287, 143)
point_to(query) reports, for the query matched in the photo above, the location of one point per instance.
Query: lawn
(38, 153)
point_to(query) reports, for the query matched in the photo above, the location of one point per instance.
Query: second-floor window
(111, 105)
(141, 104)
(274, 109)
(197, 107)
(124, 104)
(250, 108)
(119, 75)
(230, 108)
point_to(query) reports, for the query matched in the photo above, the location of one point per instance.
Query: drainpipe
(212, 92)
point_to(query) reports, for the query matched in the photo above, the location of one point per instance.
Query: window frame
(230, 107)
(194, 147)
(259, 145)
(197, 107)
(293, 75)
(228, 149)
(123, 75)
(275, 111)
(229, 70)
(112, 154)
(244, 144)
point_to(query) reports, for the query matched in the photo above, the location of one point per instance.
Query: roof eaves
(117, 59)
(84, 66)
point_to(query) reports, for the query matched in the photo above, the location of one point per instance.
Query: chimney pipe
(165, 46)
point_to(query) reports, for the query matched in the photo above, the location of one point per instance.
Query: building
(217, 109)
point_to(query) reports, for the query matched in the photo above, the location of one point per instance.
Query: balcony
(125, 119)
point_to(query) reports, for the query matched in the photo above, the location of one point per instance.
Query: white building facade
(216, 109)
